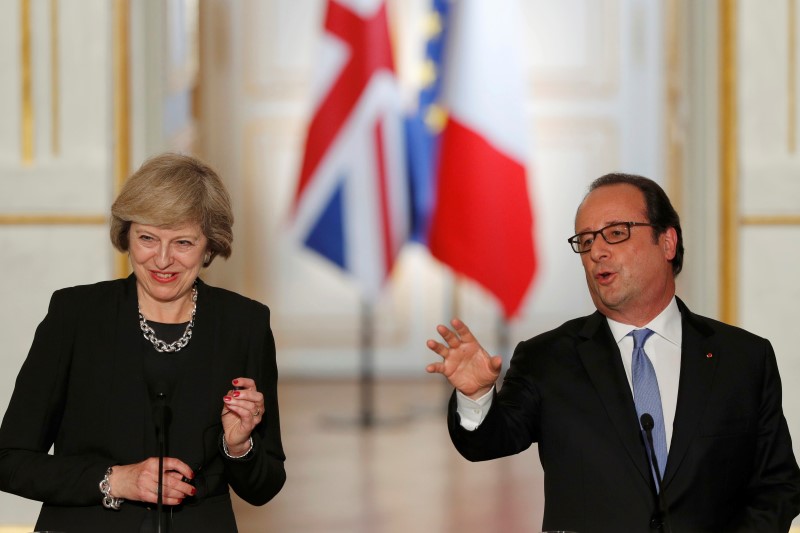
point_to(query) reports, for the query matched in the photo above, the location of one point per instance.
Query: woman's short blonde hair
(172, 190)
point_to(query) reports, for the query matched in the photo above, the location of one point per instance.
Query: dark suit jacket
(730, 467)
(82, 389)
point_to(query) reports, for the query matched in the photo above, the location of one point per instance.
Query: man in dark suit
(723, 454)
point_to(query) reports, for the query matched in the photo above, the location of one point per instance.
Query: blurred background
(700, 96)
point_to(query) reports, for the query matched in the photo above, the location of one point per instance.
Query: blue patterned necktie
(646, 395)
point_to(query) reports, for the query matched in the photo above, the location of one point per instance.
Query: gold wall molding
(52, 220)
(674, 82)
(729, 172)
(55, 75)
(770, 220)
(26, 123)
(28, 104)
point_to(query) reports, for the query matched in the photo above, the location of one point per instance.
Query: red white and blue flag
(351, 204)
(482, 222)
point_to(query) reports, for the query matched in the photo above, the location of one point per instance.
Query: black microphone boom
(647, 425)
(161, 416)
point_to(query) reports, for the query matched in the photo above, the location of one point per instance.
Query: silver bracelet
(109, 502)
(225, 449)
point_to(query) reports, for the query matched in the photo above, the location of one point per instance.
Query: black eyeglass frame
(575, 243)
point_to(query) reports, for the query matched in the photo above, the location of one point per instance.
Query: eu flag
(424, 126)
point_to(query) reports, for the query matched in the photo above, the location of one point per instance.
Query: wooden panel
(769, 293)
(573, 47)
(75, 178)
(282, 39)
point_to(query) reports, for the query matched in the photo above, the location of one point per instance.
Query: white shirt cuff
(472, 412)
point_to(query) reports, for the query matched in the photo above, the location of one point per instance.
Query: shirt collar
(667, 324)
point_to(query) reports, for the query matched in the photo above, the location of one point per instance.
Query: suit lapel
(601, 358)
(198, 397)
(696, 379)
(127, 385)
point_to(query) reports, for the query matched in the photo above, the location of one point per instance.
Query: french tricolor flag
(351, 203)
(482, 222)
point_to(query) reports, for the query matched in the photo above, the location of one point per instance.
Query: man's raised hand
(465, 364)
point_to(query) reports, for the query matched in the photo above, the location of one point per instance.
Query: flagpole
(367, 370)
(503, 337)
(366, 417)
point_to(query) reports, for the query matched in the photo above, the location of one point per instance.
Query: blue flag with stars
(424, 126)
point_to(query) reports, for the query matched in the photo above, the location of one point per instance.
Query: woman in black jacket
(117, 365)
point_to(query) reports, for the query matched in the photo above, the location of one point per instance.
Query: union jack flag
(351, 203)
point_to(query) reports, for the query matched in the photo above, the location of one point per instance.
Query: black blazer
(82, 390)
(730, 467)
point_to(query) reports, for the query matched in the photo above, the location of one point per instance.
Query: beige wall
(767, 214)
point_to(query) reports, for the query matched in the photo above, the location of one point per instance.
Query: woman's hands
(139, 482)
(466, 365)
(242, 412)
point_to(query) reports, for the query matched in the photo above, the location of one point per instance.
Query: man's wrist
(480, 393)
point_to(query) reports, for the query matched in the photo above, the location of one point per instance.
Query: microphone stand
(647, 425)
(161, 430)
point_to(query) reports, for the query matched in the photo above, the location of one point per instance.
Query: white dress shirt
(663, 348)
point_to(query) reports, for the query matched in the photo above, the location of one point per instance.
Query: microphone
(162, 417)
(161, 411)
(647, 425)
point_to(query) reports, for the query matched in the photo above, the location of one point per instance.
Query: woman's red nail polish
(236, 394)
(235, 381)
(194, 491)
(227, 398)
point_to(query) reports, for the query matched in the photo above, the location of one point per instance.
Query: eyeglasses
(612, 234)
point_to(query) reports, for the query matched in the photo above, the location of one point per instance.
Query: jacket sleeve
(260, 475)
(32, 421)
(773, 493)
(510, 426)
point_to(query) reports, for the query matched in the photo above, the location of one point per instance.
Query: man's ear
(669, 243)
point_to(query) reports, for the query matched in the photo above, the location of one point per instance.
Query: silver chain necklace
(162, 346)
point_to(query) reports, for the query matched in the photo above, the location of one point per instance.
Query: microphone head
(647, 421)
(162, 414)
(160, 390)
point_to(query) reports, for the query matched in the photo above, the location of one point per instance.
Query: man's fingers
(448, 336)
(463, 331)
(437, 347)
(435, 368)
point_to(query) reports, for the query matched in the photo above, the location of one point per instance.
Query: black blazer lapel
(200, 387)
(600, 353)
(126, 383)
(696, 379)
